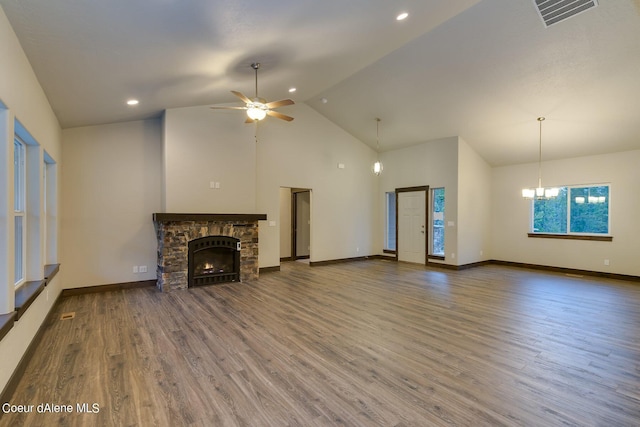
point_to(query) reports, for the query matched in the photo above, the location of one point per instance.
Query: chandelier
(540, 192)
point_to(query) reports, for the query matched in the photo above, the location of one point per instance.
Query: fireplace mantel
(166, 217)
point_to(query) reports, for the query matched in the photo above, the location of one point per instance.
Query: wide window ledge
(50, 270)
(571, 237)
(6, 323)
(28, 292)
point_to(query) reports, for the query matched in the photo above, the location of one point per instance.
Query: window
(49, 208)
(19, 197)
(437, 222)
(390, 223)
(579, 210)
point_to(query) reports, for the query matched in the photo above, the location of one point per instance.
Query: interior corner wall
(111, 187)
(433, 163)
(510, 214)
(22, 95)
(474, 206)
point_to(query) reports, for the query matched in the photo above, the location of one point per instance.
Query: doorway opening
(295, 224)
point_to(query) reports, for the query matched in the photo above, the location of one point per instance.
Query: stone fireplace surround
(174, 231)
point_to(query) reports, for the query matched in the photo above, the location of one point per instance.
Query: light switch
(272, 223)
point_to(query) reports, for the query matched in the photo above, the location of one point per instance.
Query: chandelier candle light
(540, 192)
(377, 166)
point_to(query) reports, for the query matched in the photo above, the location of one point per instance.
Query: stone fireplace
(200, 249)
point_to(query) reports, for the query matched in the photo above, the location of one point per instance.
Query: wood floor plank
(357, 344)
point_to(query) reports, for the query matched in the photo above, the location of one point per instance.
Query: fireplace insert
(214, 259)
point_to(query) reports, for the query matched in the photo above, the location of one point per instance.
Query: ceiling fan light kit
(258, 108)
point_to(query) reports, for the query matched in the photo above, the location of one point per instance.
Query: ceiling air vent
(554, 11)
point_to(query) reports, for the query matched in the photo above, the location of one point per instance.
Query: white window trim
(569, 232)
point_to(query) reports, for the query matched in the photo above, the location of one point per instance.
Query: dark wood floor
(360, 344)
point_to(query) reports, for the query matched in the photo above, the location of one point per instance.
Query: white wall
(285, 222)
(23, 99)
(203, 146)
(112, 186)
(433, 163)
(510, 214)
(299, 154)
(474, 206)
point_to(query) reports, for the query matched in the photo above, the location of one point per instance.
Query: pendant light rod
(377, 134)
(540, 120)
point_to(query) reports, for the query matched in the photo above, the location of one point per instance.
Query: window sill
(388, 251)
(438, 257)
(6, 323)
(571, 237)
(27, 293)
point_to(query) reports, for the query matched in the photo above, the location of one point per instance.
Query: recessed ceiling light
(133, 102)
(291, 90)
(402, 16)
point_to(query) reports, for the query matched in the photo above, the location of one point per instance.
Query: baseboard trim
(336, 261)
(268, 269)
(564, 270)
(107, 288)
(18, 373)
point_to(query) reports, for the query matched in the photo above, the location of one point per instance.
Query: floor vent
(554, 11)
(67, 316)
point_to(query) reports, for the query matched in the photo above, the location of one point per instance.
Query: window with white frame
(577, 210)
(19, 207)
(49, 208)
(437, 222)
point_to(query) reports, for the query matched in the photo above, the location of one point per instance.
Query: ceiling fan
(258, 108)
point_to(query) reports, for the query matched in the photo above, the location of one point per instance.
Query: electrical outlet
(135, 268)
(606, 262)
(143, 269)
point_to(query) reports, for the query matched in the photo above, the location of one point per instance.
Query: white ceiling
(481, 69)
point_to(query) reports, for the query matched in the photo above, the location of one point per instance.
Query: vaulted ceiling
(480, 69)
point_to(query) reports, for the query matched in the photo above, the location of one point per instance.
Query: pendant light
(540, 192)
(377, 166)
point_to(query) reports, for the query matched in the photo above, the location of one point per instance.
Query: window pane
(550, 215)
(19, 252)
(390, 231)
(438, 221)
(590, 210)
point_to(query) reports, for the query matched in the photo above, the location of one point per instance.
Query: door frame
(424, 188)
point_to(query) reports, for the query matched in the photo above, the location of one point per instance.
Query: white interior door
(411, 227)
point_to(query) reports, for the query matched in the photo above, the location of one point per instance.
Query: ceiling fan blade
(241, 96)
(281, 103)
(279, 115)
(250, 120)
(228, 108)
